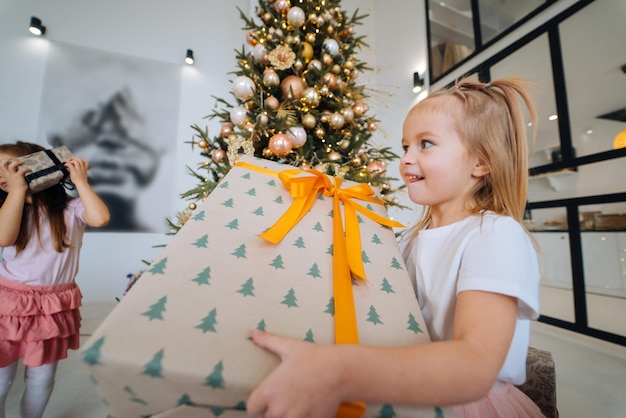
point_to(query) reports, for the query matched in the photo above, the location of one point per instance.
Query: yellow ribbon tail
(350, 410)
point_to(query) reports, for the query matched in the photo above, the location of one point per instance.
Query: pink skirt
(504, 400)
(38, 323)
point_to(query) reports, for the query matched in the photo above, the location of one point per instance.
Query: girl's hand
(305, 384)
(78, 170)
(12, 176)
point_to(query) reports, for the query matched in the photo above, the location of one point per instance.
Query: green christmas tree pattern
(299, 243)
(413, 324)
(224, 185)
(159, 267)
(202, 242)
(184, 400)
(278, 263)
(91, 355)
(156, 310)
(234, 224)
(318, 227)
(438, 412)
(373, 316)
(309, 336)
(203, 277)
(154, 367)
(376, 240)
(279, 200)
(290, 299)
(208, 322)
(240, 252)
(133, 396)
(314, 271)
(247, 289)
(259, 211)
(386, 286)
(386, 412)
(229, 203)
(330, 250)
(246, 176)
(396, 264)
(251, 192)
(199, 216)
(272, 183)
(330, 307)
(364, 257)
(215, 379)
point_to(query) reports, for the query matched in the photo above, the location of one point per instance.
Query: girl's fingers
(274, 343)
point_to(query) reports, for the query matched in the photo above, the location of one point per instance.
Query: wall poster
(120, 113)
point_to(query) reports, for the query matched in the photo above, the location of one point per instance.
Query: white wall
(395, 31)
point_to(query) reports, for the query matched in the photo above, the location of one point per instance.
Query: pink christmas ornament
(218, 155)
(294, 84)
(280, 144)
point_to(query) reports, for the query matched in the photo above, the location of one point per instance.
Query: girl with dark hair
(41, 236)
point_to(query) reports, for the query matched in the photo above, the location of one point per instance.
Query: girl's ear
(480, 169)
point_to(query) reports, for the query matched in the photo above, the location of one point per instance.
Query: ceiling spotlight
(35, 27)
(189, 58)
(418, 82)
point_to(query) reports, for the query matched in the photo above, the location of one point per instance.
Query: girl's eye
(426, 144)
(405, 148)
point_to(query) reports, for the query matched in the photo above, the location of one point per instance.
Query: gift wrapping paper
(180, 339)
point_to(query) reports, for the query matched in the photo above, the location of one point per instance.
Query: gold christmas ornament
(344, 144)
(192, 206)
(271, 77)
(336, 69)
(272, 103)
(336, 120)
(327, 59)
(356, 161)
(334, 156)
(372, 126)
(203, 144)
(307, 51)
(309, 121)
(310, 37)
(320, 132)
(348, 114)
(311, 97)
(315, 64)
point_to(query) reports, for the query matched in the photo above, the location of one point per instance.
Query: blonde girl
(473, 264)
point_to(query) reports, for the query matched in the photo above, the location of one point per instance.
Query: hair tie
(487, 85)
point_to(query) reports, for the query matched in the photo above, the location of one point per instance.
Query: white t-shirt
(489, 253)
(39, 264)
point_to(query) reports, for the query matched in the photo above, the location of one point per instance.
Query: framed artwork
(120, 113)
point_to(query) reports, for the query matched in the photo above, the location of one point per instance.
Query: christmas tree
(296, 100)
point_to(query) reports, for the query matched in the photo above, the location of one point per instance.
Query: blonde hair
(489, 118)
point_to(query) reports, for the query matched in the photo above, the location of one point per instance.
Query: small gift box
(284, 250)
(47, 167)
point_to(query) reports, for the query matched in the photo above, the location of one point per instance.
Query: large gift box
(289, 251)
(47, 167)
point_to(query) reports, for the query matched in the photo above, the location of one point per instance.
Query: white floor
(591, 374)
